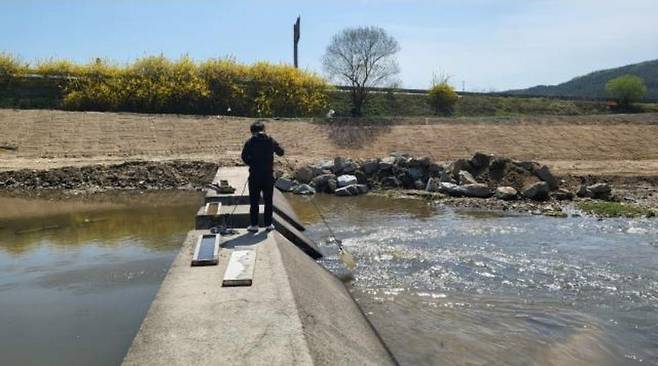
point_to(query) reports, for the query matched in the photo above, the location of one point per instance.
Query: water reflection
(78, 275)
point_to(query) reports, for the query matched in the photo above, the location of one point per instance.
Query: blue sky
(489, 44)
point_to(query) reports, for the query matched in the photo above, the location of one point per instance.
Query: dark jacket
(258, 152)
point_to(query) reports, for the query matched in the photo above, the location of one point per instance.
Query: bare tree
(362, 58)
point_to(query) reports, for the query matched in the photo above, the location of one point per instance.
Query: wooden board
(240, 269)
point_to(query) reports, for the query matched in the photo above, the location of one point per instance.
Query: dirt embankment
(612, 145)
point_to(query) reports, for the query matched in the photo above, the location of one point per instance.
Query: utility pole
(463, 85)
(295, 31)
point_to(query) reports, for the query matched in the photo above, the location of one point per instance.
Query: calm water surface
(443, 286)
(77, 276)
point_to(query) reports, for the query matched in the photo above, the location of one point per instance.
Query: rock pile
(481, 176)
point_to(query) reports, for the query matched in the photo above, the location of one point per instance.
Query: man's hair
(257, 127)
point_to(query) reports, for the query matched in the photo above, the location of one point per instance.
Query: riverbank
(149, 176)
(614, 145)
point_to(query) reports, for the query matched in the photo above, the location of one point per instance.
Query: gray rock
(480, 160)
(344, 166)
(321, 182)
(445, 177)
(332, 185)
(326, 165)
(361, 177)
(390, 182)
(599, 190)
(562, 195)
(370, 167)
(458, 165)
(466, 178)
(530, 166)
(545, 174)
(418, 184)
(449, 189)
(303, 189)
(284, 184)
(339, 164)
(346, 180)
(506, 193)
(352, 190)
(306, 173)
(435, 169)
(423, 162)
(582, 191)
(476, 190)
(416, 172)
(387, 163)
(537, 191)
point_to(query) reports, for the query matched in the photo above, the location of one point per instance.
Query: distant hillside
(593, 84)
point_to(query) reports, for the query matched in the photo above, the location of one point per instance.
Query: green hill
(593, 85)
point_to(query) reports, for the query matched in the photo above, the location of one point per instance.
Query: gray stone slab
(240, 268)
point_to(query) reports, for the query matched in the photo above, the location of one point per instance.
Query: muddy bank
(138, 175)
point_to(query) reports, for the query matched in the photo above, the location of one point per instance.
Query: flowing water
(467, 287)
(442, 286)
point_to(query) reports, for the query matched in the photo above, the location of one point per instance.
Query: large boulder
(326, 165)
(506, 193)
(562, 195)
(537, 191)
(466, 178)
(284, 184)
(458, 165)
(480, 161)
(435, 170)
(449, 189)
(304, 189)
(529, 166)
(321, 183)
(599, 190)
(476, 190)
(416, 172)
(387, 163)
(370, 167)
(306, 173)
(344, 166)
(390, 182)
(545, 174)
(346, 180)
(423, 162)
(361, 177)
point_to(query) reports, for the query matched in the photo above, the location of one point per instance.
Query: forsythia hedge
(156, 84)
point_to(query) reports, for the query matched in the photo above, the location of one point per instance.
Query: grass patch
(615, 209)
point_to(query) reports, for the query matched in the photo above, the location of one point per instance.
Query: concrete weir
(294, 312)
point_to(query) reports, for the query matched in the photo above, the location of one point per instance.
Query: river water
(441, 285)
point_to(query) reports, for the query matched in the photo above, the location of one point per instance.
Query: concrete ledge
(295, 313)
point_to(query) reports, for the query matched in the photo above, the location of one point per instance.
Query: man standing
(258, 154)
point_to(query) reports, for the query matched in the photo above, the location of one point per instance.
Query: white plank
(240, 269)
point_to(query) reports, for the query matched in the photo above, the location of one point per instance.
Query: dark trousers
(258, 185)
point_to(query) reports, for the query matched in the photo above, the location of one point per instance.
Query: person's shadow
(245, 240)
